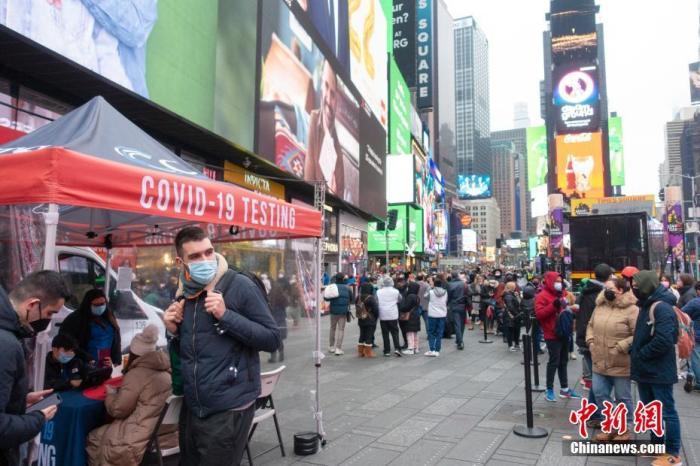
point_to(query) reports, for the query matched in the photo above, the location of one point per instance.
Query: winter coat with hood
(135, 409)
(410, 304)
(610, 332)
(513, 317)
(587, 304)
(456, 296)
(545, 310)
(527, 303)
(16, 427)
(693, 311)
(437, 302)
(687, 294)
(219, 359)
(654, 356)
(388, 299)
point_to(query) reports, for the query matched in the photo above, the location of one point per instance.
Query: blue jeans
(436, 327)
(591, 393)
(458, 322)
(603, 386)
(649, 392)
(695, 364)
(424, 314)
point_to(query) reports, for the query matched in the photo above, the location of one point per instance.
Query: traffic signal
(499, 243)
(392, 215)
(381, 226)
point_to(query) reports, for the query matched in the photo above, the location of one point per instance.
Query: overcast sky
(647, 54)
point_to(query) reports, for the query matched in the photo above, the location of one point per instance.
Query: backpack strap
(225, 281)
(651, 316)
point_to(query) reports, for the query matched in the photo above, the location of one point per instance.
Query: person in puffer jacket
(692, 381)
(437, 314)
(389, 299)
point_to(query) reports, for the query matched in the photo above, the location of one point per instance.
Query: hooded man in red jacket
(548, 304)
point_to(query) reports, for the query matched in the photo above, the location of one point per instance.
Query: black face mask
(40, 325)
(610, 295)
(639, 295)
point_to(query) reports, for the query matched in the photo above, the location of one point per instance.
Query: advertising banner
(184, 56)
(468, 240)
(424, 54)
(330, 19)
(368, 54)
(556, 222)
(397, 237)
(577, 98)
(473, 186)
(415, 230)
(536, 156)
(614, 205)
(532, 247)
(398, 189)
(580, 171)
(441, 228)
(404, 44)
(240, 176)
(539, 201)
(694, 79)
(673, 224)
(372, 165)
(399, 112)
(617, 155)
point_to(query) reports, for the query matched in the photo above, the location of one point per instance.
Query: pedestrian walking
(654, 358)
(456, 307)
(437, 314)
(513, 316)
(550, 311)
(609, 337)
(388, 299)
(339, 306)
(367, 313)
(409, 317)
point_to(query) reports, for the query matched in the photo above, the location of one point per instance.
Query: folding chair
(168, 417)
(265, 409)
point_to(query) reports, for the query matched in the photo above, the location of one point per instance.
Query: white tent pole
(51, 222)
(319, 201)
(108, 272)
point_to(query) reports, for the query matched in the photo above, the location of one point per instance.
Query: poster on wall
(536, 137)
(368, 54)
(617, 155)
(203, 76)
(353, 251)
(576, 97)
(580, 171)
(673, 224)
(308, 118)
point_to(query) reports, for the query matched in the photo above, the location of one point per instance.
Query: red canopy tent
(99, 180)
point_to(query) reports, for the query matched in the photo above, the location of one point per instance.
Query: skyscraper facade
(445, 145)
(472, 113)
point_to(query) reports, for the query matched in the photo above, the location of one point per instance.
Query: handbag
(349, 316)
(404, 316)
(331, 291)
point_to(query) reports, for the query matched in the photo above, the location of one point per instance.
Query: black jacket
(687, 293)
(219, 360)
(513, 317)
(16, 427)
(410, 304)
(77, 325)
(53, 378)
(586, 303)
(456, 297)
(370, 303)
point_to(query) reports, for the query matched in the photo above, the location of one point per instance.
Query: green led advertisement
(617, 155)
(397, 237)
(399, 112)
(536, 157)
(415, 228)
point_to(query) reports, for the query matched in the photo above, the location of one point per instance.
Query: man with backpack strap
(220, 322)
(653, 356)
(556, 322)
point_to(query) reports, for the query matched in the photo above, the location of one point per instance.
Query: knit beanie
(602, 272)
(145, 342)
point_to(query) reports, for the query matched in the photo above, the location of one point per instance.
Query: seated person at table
(63, 369)
(135, 406)
(95, 328)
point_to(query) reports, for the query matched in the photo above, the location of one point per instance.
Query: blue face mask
(203, 272)
(98, 310)
(64, 358)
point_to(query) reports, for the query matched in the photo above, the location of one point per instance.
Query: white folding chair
(168, 417)
(265, 409)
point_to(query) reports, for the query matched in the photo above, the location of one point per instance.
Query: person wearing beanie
(653, 357)
(135, 406)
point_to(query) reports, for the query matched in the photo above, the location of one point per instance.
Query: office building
(485, 220)
(521, 115)
(471, 98)
(445, 145)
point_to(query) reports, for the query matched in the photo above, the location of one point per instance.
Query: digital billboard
(203, 75)
(404, 43)
(372, 165)
(617, 155)
(330, 19)
(580, 171)
(400, 169)
(368, 54)
(694, 81)
(468, 240)
(397, 237)
(399, 112)
(473, 186)
(424, 54)
(577, 98)
(415, 229)
(536, 137)
(442, 222)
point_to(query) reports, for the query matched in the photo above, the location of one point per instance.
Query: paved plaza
(458, 409)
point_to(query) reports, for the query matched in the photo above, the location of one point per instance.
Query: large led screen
(577, 99)
(377, 239)
(580, 171)
(536, 156)
(473, 186)
(400, 169)
(184, 55)
(330, 19)
(617, 154)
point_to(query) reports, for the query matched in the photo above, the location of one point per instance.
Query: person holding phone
(95, 328)
(24, 313)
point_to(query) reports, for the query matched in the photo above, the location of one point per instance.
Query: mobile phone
(51, 400)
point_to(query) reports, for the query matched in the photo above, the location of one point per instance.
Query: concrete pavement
(458, 409)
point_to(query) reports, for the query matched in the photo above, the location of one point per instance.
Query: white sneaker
(331, 349)
(512, 349)
(339, 352)
(429, 353)
(573, 356)
(436, 354)
(408, 351)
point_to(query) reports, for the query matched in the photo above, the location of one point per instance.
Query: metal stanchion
(486, 324)
(536, 387)
(529, 430)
